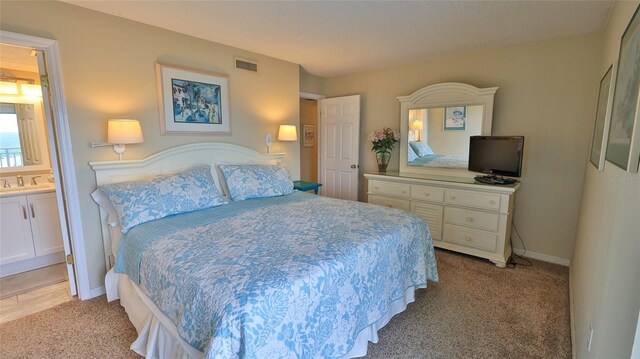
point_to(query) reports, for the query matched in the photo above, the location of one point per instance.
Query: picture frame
(455, 118)
(192, 101)
(623, 144)
(603, 119)
(309, 135)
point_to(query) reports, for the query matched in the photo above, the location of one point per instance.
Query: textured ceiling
(335, 37)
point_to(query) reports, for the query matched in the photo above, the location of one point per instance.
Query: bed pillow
(105, 204)
(421, 149)
(411, 155)
(143, 201)
(256, 181)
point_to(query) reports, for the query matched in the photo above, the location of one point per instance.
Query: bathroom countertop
(26, 190)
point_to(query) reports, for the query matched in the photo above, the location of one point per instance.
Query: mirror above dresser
(436, 123)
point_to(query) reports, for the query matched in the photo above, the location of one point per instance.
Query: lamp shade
(287, 133)
(418, 125)
(123, 132)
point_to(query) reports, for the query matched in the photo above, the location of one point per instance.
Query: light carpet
(476, 311)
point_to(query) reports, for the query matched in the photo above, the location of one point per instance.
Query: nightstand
(306, 186)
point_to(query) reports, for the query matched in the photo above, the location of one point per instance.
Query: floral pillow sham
(421, 149)
(256, 181)
(139, 202)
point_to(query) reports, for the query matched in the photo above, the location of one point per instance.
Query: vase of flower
(383, 142)
(383, 160)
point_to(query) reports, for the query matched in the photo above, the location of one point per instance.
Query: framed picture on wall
(455, 118)
(603, 119)
(192, 101)
(309, 132)
(623, 145)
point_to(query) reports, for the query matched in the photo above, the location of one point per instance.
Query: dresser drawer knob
(376, 187)
(469, 219)
(404, 191)
(426, 194)
(467, 238)
(388, 205)
(492, 202)
(452, 197)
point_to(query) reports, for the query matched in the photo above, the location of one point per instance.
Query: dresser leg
(499, 264)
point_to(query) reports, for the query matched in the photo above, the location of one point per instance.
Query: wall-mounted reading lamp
(121, 132)
(285, 133)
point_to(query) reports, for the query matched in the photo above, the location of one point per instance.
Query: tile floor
(21, 305)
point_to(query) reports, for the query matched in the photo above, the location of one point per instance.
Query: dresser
(463, 216)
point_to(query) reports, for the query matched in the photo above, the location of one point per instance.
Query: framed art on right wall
(623, 145)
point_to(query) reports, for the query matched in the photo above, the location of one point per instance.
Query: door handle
(353, 166)
(33, 212)
(24, 212)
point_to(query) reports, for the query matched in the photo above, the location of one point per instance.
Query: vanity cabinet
(29, 228)
(463, 216)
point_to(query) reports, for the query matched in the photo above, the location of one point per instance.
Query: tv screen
(497, 155)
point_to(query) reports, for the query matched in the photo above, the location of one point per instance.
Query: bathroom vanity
(30, 232)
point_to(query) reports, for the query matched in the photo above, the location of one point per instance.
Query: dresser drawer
(389, 202)
(470, 237)
(472, 199)
(432, 214)
(389, 189)
(424, 193)
(474, 219)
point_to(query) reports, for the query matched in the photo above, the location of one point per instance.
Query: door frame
(64, 169)
(316, 98)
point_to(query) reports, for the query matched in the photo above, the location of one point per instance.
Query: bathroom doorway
(36, 265)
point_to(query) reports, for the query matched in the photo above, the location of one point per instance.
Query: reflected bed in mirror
(23, 141)
(439, 137)
(436, 124)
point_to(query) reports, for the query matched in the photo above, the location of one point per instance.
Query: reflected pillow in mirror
(411, 156)
(421, 149)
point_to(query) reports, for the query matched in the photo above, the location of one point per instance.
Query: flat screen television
(496, 155)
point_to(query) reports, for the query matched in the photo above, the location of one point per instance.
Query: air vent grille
(246, 65)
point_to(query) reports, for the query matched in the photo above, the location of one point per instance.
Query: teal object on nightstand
(306, 186)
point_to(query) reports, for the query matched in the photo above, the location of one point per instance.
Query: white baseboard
(96, 292)
(543, 257)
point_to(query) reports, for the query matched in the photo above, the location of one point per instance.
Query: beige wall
(452, 142)
(311, 83)
(547, 91)
(308, 155)
(605, 273)
(108, 71)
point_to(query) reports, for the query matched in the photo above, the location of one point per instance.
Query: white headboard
(173, 160)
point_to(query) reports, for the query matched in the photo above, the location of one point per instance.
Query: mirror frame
(446, 94)
(45, 167)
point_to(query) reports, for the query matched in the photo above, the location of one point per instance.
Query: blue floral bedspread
(297, 276)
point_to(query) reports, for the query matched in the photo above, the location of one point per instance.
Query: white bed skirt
(158, 336)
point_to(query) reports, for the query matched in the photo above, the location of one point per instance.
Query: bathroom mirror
(23, 139)
(436, 124)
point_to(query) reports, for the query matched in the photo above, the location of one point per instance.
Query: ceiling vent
(244, 64)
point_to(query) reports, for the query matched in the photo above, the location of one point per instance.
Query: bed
(441, 161)
(295, 275)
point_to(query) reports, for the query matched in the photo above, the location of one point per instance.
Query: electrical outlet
(590, 338)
